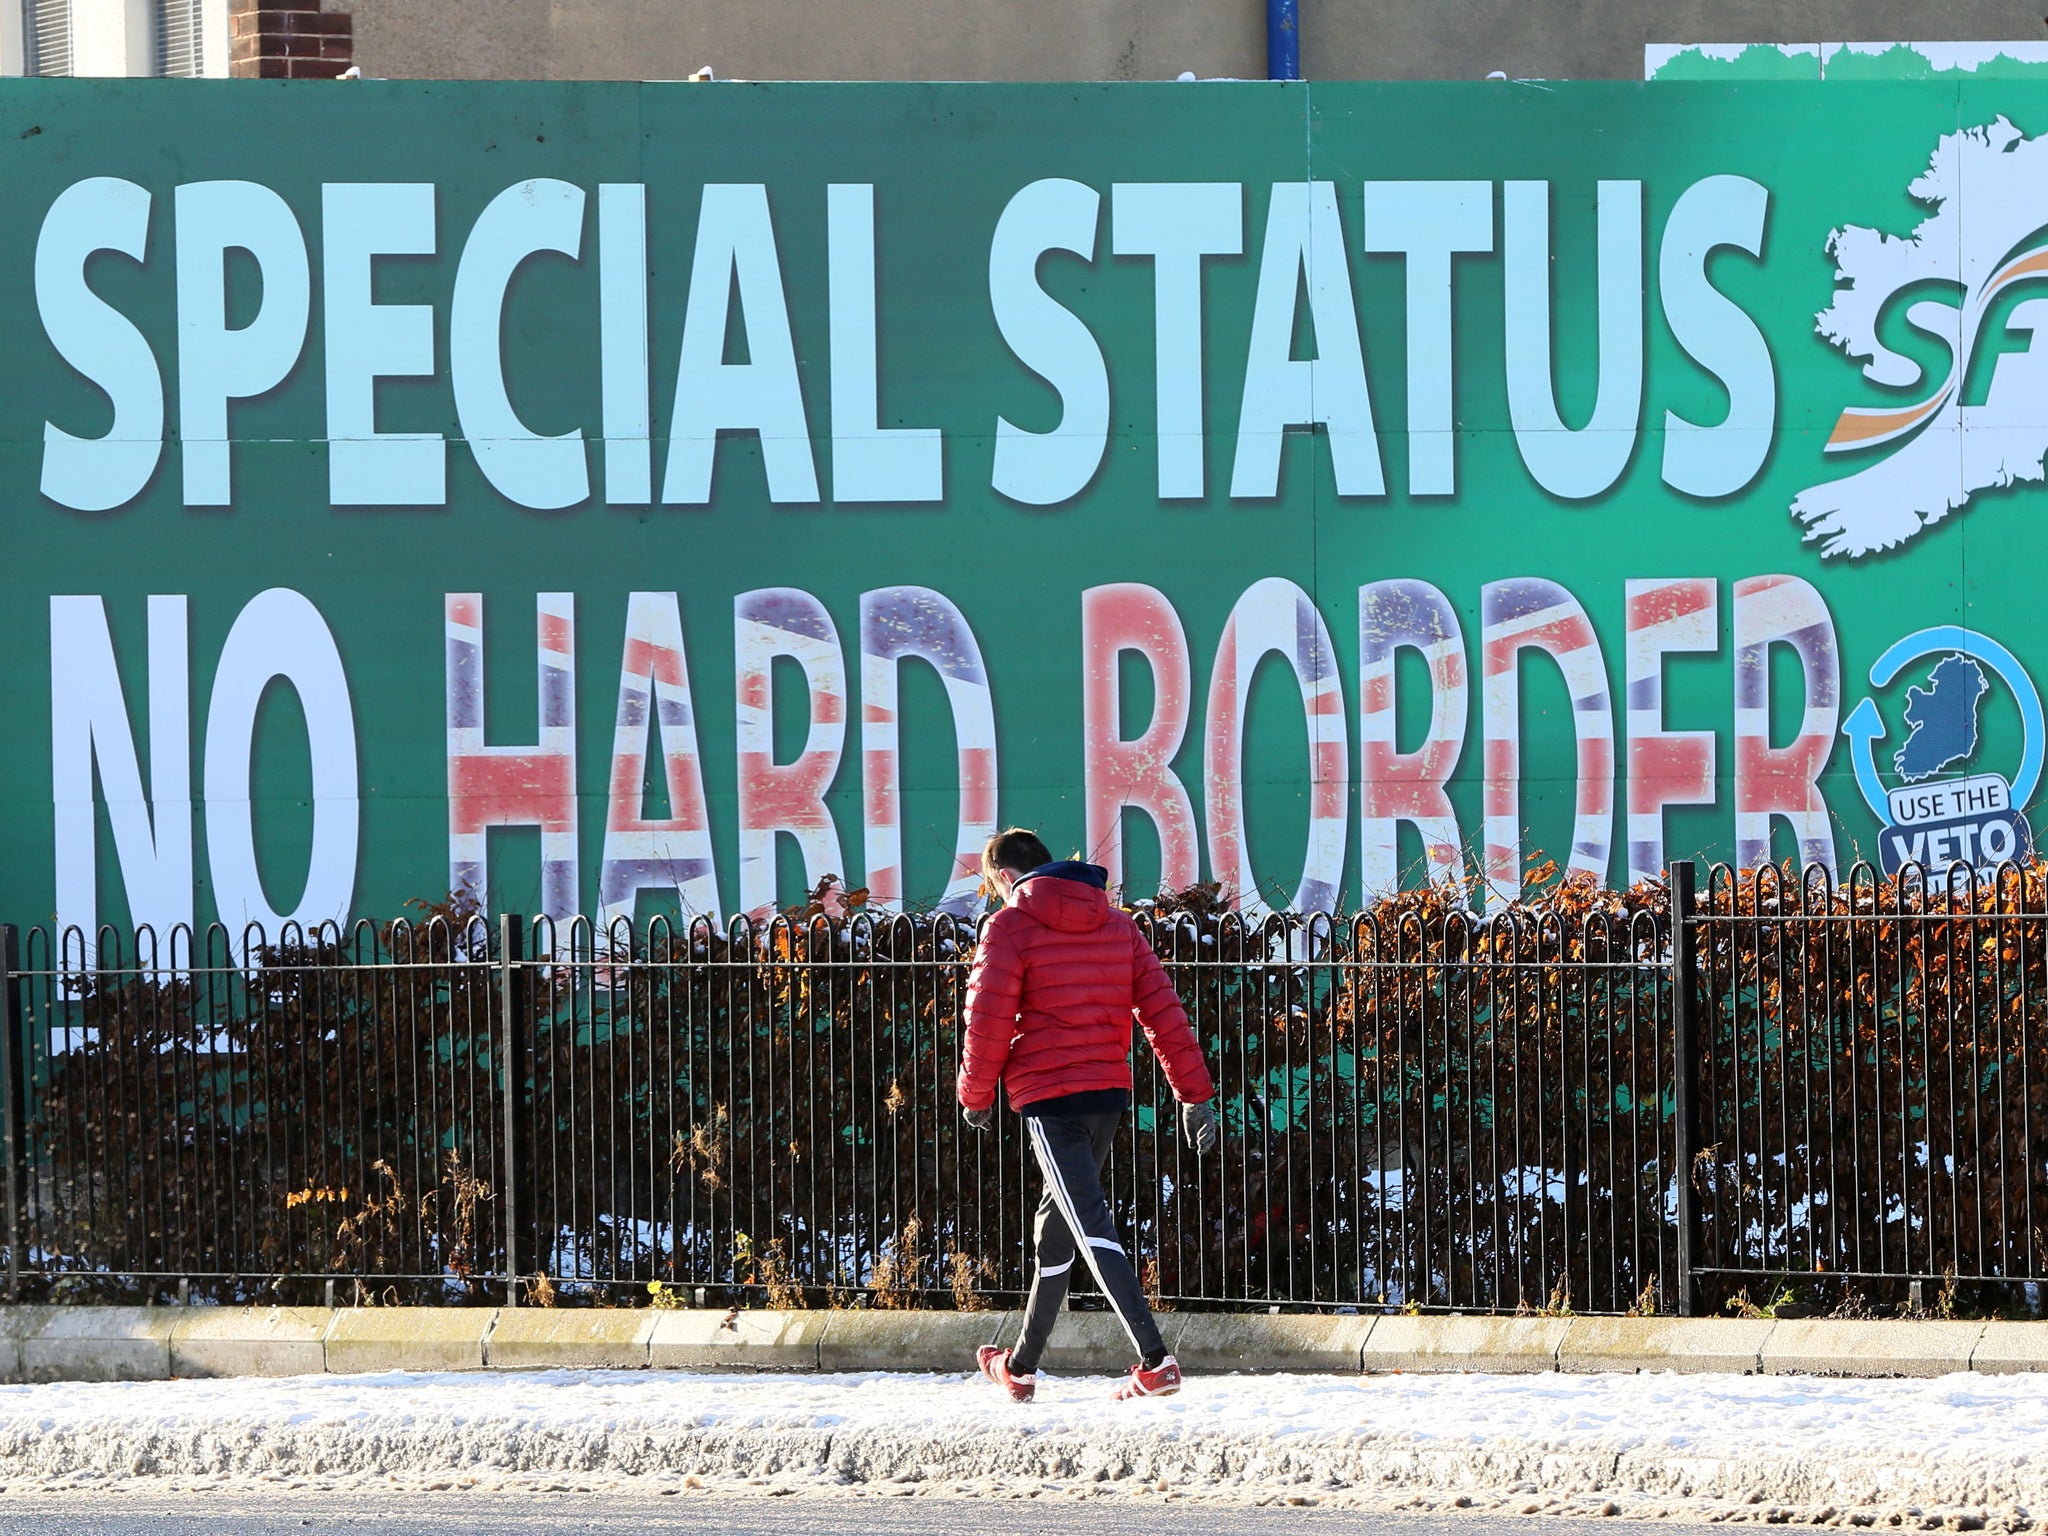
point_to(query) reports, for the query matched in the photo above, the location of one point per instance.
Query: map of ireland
(1937, 451)
(1941, 719)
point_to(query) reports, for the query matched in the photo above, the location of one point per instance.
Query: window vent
(178, 30)
(47, 24)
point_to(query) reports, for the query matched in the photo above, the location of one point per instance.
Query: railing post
(515, 1040)
(1685, 1077)
(14, 1072)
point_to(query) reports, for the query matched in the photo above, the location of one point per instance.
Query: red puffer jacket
(1057, 979)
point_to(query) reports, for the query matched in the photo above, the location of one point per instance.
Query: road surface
(711, 1513)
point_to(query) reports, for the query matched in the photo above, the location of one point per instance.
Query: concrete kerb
(96, 1343)
(11, 1322)
(408, 1339)
(548, 1339)
(1095, 1344)
(2009, 1347)
(1832, 1347)
(909, 1341)
(1502, 1345)
(737, 1341)
(1726, 1344)
(249, 1341)
(45, 1343)
(1236, 1341)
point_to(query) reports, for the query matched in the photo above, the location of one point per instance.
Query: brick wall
(288, 40)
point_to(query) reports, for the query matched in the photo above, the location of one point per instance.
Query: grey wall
(1603, 39)
(1111, 39)
(810, 39)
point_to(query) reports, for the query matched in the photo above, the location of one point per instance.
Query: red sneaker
(1161, 1381)
(995, 1365)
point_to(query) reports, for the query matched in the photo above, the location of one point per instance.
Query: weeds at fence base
(765, 1266)
(969, 1276)
(898, 1281)
(1739, 1305)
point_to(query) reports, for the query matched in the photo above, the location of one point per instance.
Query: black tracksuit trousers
(1074, 1221)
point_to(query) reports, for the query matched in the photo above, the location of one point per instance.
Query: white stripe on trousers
(1065, 1202)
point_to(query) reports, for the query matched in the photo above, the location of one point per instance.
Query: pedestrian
(1058, 977)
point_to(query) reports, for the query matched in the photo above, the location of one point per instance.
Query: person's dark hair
(1014, 849)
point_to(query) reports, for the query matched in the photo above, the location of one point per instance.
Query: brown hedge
(1421, 1108)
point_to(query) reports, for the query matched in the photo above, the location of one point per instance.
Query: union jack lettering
(1136, 774)
(1664, 767)
(786, 797)
(1395, 786)
(1533, 612)
(528, 785)
(901, 622)
(673, 853)
(1783, 781)
(1275, 616)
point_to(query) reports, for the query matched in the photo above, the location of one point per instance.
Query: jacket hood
(1068, 895)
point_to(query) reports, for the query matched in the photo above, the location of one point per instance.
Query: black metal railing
(1875, 1059)
(1422, 1109)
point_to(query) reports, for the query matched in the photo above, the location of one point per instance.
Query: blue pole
(1283, 39)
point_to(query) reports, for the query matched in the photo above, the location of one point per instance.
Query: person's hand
(1198, 1123)
(980, 1119)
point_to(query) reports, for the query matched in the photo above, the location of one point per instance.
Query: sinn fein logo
(1938, 450)
(1941, 810)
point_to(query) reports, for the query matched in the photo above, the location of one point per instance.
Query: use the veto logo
(1941, 812)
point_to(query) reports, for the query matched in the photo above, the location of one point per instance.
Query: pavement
(1965, 1451)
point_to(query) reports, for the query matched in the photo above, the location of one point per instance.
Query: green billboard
(609, 498)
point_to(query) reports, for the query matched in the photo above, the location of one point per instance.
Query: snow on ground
(1959, 1449)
